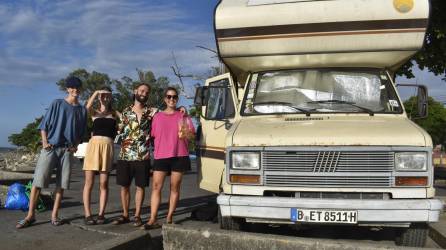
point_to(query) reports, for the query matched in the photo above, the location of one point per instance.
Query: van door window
(220, 104)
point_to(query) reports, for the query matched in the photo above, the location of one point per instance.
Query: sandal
(24, 223)
(57, 222)
(137, 222)
(121, 220)
(147, 226)
(100, 220)
(89, 220)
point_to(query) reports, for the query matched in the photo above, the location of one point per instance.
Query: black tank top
(104, 126)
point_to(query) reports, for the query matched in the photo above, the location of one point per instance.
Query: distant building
(438, 157)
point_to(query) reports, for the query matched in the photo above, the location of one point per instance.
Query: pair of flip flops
(137, 222)
(89, 220)
(28, 222)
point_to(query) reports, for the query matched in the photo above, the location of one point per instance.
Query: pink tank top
(165, 129)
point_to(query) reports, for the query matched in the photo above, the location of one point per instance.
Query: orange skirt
(99, 154)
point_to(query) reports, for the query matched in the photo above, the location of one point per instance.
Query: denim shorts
(58, 158)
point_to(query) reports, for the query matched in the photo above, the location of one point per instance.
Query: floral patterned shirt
(134, 134)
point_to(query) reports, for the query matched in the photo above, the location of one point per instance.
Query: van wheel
(230, 223)
(414, 236)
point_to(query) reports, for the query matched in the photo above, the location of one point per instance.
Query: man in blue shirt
(61, 130)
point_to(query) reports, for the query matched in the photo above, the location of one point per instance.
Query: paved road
(74, 235)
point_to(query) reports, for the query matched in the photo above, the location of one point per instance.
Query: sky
(41, 41)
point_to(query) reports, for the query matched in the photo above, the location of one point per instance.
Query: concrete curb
(136, 240)
(176, 237)
(437, 236)
(9, 175)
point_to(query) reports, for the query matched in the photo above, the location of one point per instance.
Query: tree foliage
(433, 54)
(29, 137)
(435, 123)
(123, 88)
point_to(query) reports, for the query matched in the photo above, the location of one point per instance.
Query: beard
(141, 99)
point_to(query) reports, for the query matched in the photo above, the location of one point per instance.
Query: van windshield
(320, 91)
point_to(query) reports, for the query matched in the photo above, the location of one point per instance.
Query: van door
(217, 114)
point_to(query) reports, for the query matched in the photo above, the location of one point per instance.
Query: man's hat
(73, 82)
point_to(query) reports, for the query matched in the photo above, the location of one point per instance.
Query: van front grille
(328, 168)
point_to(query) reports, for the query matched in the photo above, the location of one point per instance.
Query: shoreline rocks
(18, 160)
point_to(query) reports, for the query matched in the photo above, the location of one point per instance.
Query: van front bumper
(275, 209)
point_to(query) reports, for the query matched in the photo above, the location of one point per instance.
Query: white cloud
(45, 41)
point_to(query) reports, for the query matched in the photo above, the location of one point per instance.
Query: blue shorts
(58, 158)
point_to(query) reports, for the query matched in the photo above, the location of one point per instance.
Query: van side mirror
(200, 96)
(421, 100)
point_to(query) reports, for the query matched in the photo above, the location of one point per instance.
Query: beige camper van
(308, 127)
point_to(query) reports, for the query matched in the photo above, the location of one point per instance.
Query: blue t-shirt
(64, 123)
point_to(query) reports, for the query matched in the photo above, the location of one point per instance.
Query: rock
(17, 160)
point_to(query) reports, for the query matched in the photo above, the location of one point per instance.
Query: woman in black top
(99, 154)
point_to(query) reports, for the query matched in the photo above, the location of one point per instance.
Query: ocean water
(2, 149)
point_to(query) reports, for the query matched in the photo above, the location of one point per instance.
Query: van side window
(220, 104)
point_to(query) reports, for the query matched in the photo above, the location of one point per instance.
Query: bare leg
(89, 181)
(57, 201)
(175, 184)
(103, 197)
(125, 200)
(35, 191)
(155, 200)
(139, 199)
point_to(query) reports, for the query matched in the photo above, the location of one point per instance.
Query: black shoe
(89, 220)
(101, 220)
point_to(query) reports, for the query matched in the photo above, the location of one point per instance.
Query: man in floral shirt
(134, 158)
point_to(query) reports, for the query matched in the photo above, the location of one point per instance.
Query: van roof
(258, 35)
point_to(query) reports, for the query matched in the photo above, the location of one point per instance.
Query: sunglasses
(175, 97)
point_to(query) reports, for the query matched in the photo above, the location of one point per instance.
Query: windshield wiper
(288, 104)
(334, 101)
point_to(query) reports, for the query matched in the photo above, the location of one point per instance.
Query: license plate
(324, 216)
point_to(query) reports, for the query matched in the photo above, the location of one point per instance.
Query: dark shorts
(177, 164)
(127, 170)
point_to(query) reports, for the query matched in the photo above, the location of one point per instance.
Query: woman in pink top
(172, 131)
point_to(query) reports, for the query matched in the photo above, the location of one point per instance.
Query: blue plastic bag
(16, 198)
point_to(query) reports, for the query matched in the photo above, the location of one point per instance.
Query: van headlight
(411, 161)
(246, 160)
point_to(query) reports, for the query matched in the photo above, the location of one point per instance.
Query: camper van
(307, 127)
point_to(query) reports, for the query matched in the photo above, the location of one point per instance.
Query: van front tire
(414, 236)
(230, 223)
